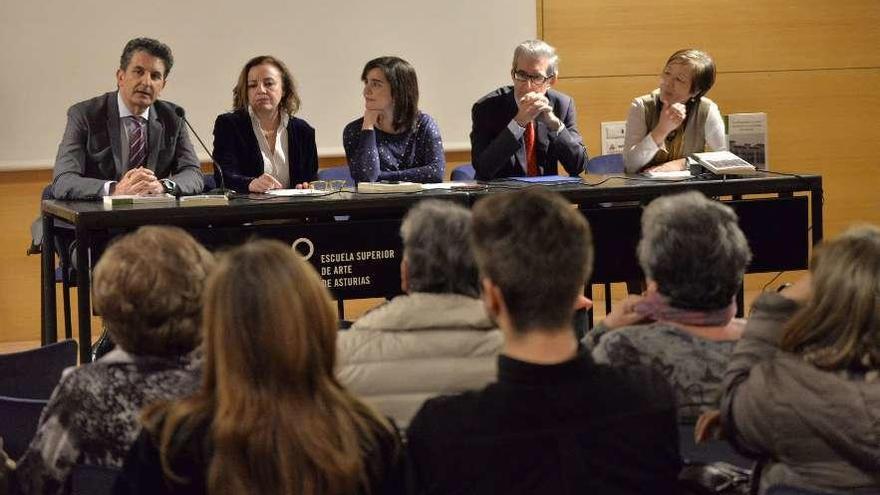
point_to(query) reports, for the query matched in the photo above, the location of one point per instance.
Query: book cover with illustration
(747, 137)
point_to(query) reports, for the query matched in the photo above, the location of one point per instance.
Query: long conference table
(352, 239)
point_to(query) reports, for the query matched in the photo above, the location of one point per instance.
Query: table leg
(83, 292)
(816, 201)
(49, 316)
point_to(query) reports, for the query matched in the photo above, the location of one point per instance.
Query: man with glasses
(528, 128)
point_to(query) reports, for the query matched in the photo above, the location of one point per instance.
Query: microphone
(226, 192)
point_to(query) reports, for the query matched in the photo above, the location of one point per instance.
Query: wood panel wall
(812, 65)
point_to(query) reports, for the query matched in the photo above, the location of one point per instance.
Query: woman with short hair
(803, 387)
(675, 120)
(270, 416)
(260, 145)
(694, 255)
(434, 339)
(393, 140)
(147, 287)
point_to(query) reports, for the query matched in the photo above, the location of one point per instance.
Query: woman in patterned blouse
(393, 140)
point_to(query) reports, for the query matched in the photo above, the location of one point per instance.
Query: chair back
(606, 164)
(337, 173)
(86, 479)
(20, 420)
(210, 181)
(33, 374)
(464, 171)
(791, 490)
(708, 451)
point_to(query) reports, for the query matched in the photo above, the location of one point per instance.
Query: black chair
(33, 374)
(708, 451)
(463, 172)
(341, 172)
(210, 181)
(86, 479)
(791, 490)
(606, 164)
(20, 420)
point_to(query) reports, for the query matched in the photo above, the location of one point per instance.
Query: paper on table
(295, 192)
(444, 185)
(548, 179)
(668, 174)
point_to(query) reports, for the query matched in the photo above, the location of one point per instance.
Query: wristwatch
(169, 186)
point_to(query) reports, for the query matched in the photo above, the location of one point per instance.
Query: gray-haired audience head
(436, 250)
(537, 249)
(537, 49)
(693, 248)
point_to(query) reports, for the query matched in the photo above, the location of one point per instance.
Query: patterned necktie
(137, 146)
(531, 157)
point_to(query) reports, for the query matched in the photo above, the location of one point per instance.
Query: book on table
(724, 163)
(132, 199)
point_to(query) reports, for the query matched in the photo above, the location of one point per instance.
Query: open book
(724, 163)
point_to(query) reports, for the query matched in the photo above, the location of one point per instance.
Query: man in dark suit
(125, 141)
(528, 128)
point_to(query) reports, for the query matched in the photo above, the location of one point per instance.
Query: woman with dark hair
(270, 416)
(147, 287)
(260, 145)
(675, 120)
(393, 140)
(803, 386)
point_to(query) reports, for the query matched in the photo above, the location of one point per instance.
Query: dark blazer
(238, 152)
(496, 153)
(90, 152)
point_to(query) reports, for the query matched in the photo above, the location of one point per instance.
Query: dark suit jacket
(90, 152)
(496, 153)
(238, 152)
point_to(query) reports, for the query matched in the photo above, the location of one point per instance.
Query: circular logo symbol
(309, 247)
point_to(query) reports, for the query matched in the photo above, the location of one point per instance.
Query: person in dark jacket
(555, 421)
(260, 145)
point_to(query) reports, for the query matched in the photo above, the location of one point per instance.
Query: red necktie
(531, 157)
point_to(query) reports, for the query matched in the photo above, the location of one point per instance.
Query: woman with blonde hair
(270, 416)
(802, 389)
(260, 145)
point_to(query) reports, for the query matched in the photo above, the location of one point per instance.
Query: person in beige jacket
(436, 338)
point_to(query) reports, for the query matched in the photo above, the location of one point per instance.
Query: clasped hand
(536, 105)
(138, 181)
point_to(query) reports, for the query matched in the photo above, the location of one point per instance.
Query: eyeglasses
(523, 76)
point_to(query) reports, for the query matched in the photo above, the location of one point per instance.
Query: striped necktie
(137, 144)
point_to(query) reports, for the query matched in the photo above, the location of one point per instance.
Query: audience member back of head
(147, 287)
(437, 338)
(554, 422)
(694, 255)
(270, 417)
